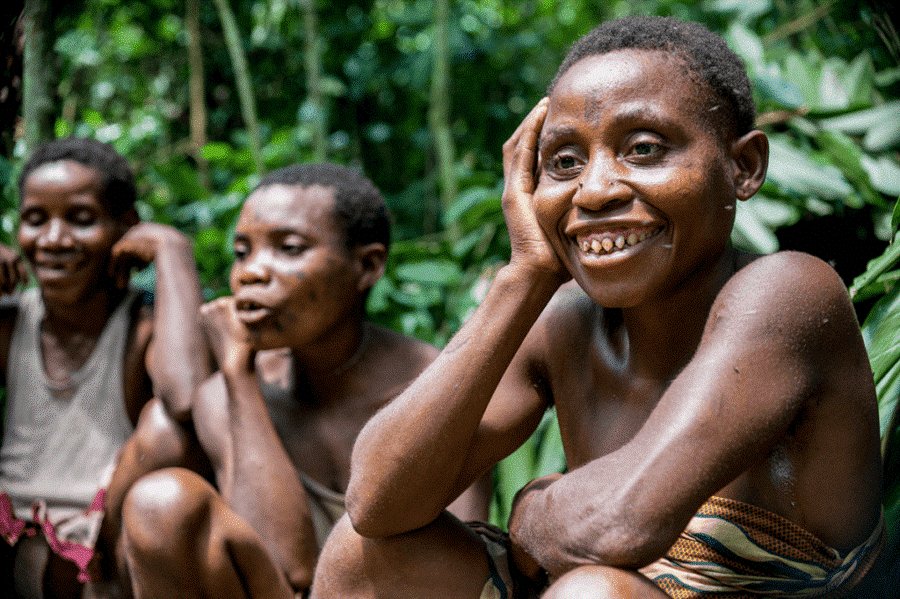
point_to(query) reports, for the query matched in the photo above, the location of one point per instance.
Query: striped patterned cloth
(732, 550)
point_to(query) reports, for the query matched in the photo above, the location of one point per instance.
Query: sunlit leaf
(794, 170)
(884, 173)
(378, 296)
(883, 344)
(895, 216)
(781, 91)
(883, 136)
(432, 272)
(749, 233)
(861, 121)
(467, 200)
(876, 268)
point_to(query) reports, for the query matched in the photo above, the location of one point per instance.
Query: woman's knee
(165, 513)
(603, 582)
(444, 559)
(340, 567)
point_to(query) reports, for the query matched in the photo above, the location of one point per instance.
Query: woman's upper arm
(515, 409)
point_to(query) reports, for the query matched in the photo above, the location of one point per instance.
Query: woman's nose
(253, 269)
(55, 234)
(600, 184)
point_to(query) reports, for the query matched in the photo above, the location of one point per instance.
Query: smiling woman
(81, 361)
(686, 375)
(642, 186)
(65, 230)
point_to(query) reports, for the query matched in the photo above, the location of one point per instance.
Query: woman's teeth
(608, 243)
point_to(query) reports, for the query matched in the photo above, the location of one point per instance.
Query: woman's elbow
(376, 518)
(633, 546)
(365, 517)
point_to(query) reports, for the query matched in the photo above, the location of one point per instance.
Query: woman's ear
(750, 154)
(371, 259)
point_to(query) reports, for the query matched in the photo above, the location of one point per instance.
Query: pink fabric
(13, 528)
(10, 527)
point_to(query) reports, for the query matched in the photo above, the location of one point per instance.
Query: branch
(242, 79)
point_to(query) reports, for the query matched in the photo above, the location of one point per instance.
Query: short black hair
(358, 204)
(117, 187)
(705, 54)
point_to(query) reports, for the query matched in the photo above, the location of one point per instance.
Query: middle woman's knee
(341, 561)
(167, 509)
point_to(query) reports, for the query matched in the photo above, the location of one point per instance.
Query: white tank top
(60, 447)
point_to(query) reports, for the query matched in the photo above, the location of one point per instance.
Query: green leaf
(217, 151)
(883, 136)
(468, 200)
(876, 267)
(377, 301)
(861, 121)
(749, 232)
(794, 170)
(747, 44)
(844, 151)
(551, 456)
(779, 90)
(420, 297)
(895, 216)
(431, 272)
(884, 173)
(847, 155)
(880, 332)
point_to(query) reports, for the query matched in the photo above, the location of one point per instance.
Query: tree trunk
(242, 79)
(197, 90)
(37, 73)
(312, 57)
(439, 110)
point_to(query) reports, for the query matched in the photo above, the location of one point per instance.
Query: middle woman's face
(293, 278)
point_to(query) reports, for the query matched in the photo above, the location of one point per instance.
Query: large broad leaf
(378, 296)
(750, 233)
(876, 268)
(883, 137)
(468, 200)
(884, 173)
(805, 73)
(881, 332)
(747, 44)
(779, 90)
(862, 121)
(792, 169)
(430, 272)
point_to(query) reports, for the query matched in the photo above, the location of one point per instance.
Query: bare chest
(598, 413)
(319, 439)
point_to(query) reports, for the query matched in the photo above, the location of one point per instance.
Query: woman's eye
(645, 148)
(82, 217)
(563, 162)
(32, 218)
(240, 252)
(293, 249)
